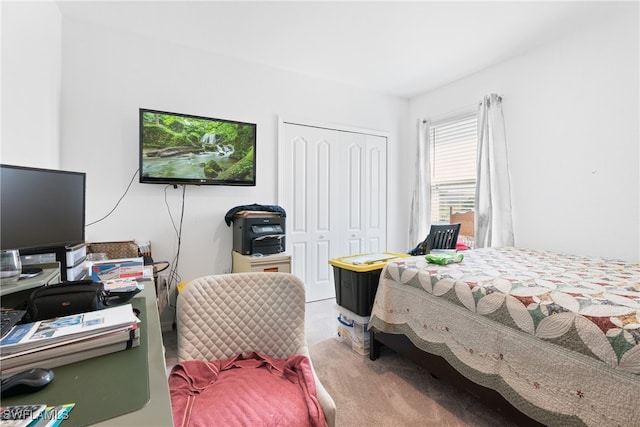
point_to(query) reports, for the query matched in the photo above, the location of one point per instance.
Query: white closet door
(308, 155)
(375, 210)
(326, 180)
(352, 147)
(364, 194)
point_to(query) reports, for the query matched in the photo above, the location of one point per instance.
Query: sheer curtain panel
(494, 223)
(420, 220)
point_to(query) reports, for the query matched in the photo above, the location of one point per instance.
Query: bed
(544, 337)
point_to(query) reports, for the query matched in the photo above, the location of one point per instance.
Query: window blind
(453, 166)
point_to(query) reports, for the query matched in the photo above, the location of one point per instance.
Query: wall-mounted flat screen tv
(185, 149)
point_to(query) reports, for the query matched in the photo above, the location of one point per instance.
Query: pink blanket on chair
(255, 390)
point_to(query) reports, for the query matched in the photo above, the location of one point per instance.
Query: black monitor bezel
(36, 247)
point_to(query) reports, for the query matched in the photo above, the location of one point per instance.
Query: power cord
(174, 276)
(118, 202)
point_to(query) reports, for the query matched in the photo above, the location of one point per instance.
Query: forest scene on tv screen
(193, 148)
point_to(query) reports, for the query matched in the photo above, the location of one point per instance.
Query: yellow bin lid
(366, 262)
(181, 285)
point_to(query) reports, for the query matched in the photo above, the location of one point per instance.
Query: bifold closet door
(327, 178)
(362, 193)
(375, 182)
(308, 178)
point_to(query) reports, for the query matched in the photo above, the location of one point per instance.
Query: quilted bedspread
(557, 335)
(584, 304)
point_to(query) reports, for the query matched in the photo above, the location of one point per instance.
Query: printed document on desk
(126, 334)
(67, 329)
(71, 353)
(122, 284)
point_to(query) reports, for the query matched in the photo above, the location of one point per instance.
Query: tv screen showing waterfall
(185, 149)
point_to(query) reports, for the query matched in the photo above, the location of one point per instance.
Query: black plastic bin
(356, 283)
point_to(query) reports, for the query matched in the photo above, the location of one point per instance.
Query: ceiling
(393, 47)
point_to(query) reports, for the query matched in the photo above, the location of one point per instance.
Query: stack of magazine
(63, 340)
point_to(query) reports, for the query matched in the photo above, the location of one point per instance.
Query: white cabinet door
(326, 180)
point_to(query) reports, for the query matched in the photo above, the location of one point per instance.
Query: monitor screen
(185, 149)
(41, 208)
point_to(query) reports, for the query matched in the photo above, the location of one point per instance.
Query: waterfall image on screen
(185, 149)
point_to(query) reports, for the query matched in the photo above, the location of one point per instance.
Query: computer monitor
(41, 208)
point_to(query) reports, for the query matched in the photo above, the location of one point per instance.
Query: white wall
(107, 75)
(31, 67)
(571, 113)
(571, 110)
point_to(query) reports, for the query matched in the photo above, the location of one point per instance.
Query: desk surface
(157, 411)
(50, 274)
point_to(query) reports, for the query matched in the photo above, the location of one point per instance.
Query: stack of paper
(368, 258)
(63, 340)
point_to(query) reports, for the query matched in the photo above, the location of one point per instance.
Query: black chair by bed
(441, 236)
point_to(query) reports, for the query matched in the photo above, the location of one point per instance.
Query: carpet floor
(389, 392)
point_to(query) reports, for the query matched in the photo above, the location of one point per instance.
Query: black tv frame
(192, 150)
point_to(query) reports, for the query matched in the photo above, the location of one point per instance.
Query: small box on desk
(356, 279)
(129, 268)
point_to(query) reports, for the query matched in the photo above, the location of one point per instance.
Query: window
(453, 148)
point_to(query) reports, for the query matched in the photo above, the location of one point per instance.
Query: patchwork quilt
(589, 305)
(556, 334)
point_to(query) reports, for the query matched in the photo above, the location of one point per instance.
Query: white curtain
(420, 220)
(494, 224)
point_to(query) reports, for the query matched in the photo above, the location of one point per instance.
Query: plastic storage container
(356, 279)
(351, 329)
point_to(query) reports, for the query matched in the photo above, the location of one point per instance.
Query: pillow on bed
(460, 246)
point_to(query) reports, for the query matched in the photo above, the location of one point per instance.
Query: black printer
(256, 232)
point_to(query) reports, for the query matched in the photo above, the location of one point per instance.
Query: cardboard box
(126, 268)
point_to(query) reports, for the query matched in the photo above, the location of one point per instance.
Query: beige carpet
(389, 392)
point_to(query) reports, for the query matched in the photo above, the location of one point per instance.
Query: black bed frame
(441, 369)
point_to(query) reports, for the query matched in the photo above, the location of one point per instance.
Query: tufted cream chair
(223, 315)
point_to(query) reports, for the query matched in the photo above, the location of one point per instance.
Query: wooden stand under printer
(259, 242)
